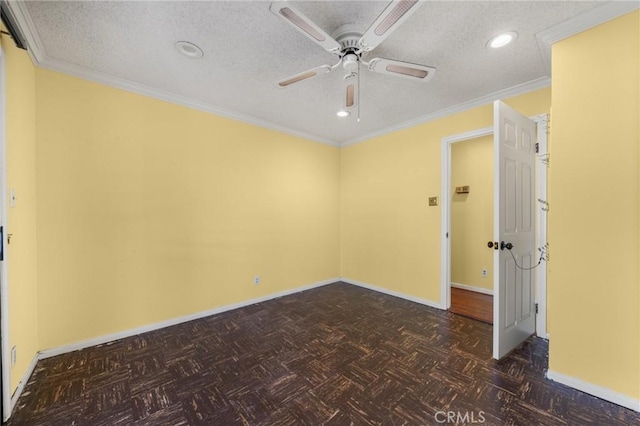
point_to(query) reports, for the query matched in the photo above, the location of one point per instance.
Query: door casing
(541, 219)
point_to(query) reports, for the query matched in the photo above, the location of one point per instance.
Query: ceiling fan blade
(401, 69)
(323, 69)
(303, 24)
(351, 92)
(395, 14)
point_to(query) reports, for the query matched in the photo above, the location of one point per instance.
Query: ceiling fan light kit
(350, 45)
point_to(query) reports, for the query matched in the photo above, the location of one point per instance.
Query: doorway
(448, 187)
(471, 196)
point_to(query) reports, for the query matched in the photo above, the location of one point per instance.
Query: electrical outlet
(485, 273)
(256, 280)
(433, 201)
(14, 355)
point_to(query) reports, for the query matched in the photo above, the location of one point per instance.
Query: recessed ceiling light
(343, 113)
(502, 40)
(189, 50)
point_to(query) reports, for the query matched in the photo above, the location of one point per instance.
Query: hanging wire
(543, 256)
(545, 159)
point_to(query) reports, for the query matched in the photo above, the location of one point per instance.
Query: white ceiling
(130, 44)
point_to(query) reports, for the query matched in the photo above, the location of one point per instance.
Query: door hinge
(536, 308)
(1, 243)
(537, 148)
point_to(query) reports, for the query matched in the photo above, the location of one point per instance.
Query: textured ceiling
(247, 49)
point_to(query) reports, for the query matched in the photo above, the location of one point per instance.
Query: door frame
(541, 217)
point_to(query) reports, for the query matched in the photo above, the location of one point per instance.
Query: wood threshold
(472, 304)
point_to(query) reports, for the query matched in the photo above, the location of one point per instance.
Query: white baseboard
(23, 382)
(393, 293)
(595, 390)
(472, 288)
(47, 353)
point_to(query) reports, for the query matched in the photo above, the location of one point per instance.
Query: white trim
(595, 390)
(580, 23)
(404, 296)
(520, 89)
(5, 341)
(541, 223)
(39, 57)
(445, 219)
(18, 10)
(23, 382)
(545, 38)
(141, 89)
(48, 353)
(472, 288)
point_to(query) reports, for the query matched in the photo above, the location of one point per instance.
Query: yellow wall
(148, 211)
(390, 236)
(472, 213)
(593, 281)
(20, 136)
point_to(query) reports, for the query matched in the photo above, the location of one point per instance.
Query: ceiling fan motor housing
(350, 45)
(348, 37)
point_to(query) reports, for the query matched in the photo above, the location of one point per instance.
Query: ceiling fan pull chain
(349, 45)
(358, 90)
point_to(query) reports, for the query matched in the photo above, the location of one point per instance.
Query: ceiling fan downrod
(349, 44)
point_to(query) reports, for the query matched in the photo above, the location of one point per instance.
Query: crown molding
(40, 59)
(520, 89)
(580, 23)
(546, 38)
(34, 45)
(141, 89)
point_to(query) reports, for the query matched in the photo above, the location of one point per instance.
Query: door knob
(504, 245)
(493, 244)
(490, 244)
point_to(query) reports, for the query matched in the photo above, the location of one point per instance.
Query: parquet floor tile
(334, 355)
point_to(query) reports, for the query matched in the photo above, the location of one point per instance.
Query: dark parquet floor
(335, 355)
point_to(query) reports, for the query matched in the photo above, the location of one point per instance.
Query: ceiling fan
(350, 45)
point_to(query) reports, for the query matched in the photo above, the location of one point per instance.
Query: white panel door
(513, 288)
